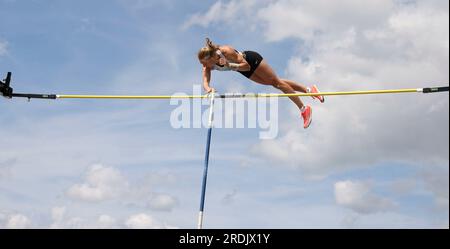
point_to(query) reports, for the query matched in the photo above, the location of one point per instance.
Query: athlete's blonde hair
(208, 51)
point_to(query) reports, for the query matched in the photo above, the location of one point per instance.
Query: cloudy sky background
(366, 162)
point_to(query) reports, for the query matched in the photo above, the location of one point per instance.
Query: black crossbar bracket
(5, 86)
(7, 91)
(436, 89)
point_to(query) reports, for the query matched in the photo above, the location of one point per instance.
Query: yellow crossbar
(411, 90)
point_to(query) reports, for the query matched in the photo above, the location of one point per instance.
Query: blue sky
(366, 162)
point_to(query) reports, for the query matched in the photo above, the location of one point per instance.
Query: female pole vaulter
(253, 66)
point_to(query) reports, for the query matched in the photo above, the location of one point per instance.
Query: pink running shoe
(307, 117)
(314, 89)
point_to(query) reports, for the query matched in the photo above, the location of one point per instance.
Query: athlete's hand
(210, 90)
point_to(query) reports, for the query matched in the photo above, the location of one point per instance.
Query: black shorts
(254, 59)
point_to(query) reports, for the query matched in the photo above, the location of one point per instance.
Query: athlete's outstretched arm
(207, 79)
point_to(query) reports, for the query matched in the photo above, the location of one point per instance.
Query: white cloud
(106, 183)
(106, 222)
(204, 20)
(58, 215)
(142, 221)
(61, 221)
(221, 13)
(102, 183)
(306, 19)
(358, 196)
(162, 202)
(140, 196)
(76, 223)
(18, 221)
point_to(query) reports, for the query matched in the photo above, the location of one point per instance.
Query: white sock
(308, 89)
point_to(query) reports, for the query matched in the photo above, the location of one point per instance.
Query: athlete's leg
(296, 86)
(264, 74)
(304, 89)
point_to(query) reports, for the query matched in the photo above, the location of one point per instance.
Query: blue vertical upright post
(205, 171)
